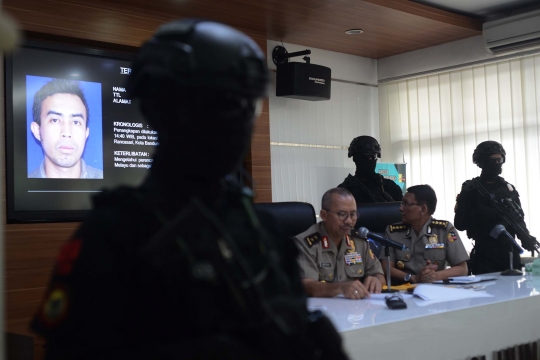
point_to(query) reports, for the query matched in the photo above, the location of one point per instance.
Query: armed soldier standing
(487, 201)
(181, 267)
(366, 185)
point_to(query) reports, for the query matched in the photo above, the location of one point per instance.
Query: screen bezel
(13, 216)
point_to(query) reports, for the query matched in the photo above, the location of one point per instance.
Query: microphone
(500, 230)
(365, 233)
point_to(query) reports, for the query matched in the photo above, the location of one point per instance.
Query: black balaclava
(490, 170)
(364, 168)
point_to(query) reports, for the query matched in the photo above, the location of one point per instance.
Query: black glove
(529, 245)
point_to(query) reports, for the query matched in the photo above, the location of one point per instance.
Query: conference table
(441, 329)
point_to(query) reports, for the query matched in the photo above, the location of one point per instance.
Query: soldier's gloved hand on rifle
(529, 246)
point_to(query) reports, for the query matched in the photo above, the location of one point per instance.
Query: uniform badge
(452, 236)
(325, 265)
(353, 258)
(55, 308)
(325, 243)
(359, 271)
(348, 240)
(371, 254)
(400, 265)
(510, 187)
(407, 256)
(433, 239)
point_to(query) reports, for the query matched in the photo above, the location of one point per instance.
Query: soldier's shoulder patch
(439, 223)
(452, 234)
(398, 227)
(312, 239)
(68, 255)
(55, 307)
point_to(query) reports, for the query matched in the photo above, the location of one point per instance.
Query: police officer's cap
(364, 145)
(202, 54)
(485, 149)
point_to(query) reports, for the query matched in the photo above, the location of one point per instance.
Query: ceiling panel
(390, 27)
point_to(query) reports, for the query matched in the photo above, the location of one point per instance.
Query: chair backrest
(292, 217)
(376, 217)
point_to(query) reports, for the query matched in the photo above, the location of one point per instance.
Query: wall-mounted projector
(298, 80)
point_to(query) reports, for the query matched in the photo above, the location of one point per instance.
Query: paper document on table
(461, 280)
(438, 293)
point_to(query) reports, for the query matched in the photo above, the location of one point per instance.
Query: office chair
(292, 217)
(376, 217)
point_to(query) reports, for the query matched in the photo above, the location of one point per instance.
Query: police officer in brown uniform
(432, 243)
(333, 259)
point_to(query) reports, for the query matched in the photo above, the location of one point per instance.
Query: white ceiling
(484, 9)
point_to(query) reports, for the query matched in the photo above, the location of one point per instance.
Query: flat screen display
(71, 131)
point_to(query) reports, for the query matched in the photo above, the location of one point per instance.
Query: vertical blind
(433, 123)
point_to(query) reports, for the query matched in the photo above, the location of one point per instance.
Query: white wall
(432, 58)
(309, 139)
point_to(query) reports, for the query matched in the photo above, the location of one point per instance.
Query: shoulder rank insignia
(313, 239)
(399, 227)
(439, 223)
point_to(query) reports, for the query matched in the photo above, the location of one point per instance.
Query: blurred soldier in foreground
(485, 203)
(366, 185)
(180, 267)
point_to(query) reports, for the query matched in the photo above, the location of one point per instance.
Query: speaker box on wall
(303, 81)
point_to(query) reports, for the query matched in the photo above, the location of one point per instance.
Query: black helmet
(201, 54)
(364, 145)
(485, 149)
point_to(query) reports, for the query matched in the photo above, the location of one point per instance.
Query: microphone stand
(388, 277)
(511, 271)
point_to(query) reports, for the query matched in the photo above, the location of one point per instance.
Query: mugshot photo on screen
(64, 122)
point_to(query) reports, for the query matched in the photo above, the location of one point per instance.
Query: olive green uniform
(438, 241)
(320, 259)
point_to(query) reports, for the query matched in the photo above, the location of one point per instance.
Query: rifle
(513, 215)
(372, 196)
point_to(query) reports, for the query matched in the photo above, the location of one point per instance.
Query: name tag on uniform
(435, 246)
(326, 265)
(353, 258)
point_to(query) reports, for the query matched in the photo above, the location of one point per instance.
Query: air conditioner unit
(513, 33)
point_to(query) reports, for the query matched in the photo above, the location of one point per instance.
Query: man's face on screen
(63, 131)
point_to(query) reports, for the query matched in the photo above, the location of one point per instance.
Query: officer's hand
(373, 285)
(428, 273)
(354, 290)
